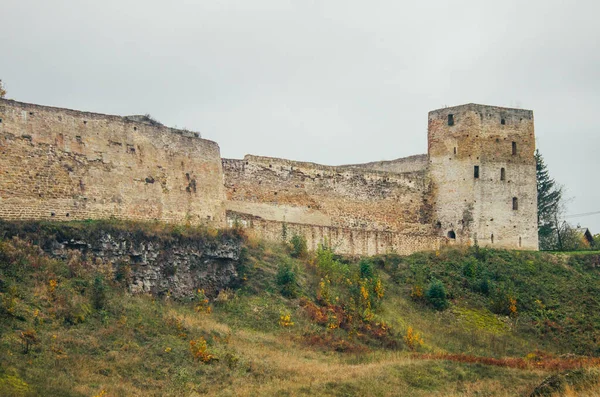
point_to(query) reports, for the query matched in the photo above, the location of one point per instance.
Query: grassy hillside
(472, 322)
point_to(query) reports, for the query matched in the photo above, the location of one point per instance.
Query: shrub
(73, 308)
(436, 295)
(99, 293)
(470, 267)
(504, 303)
(412, 339)
(329, 266)
(202, 302)
(287, 280)
(299, 248)
(123, 273)
(366, 269)
(285, 320)
(8, 301)
(483, 286)
(199, 350)
(28, 339)
(416, 292)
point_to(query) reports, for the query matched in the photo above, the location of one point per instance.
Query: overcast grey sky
(326, 81)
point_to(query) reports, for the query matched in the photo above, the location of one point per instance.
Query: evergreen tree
(549, 198)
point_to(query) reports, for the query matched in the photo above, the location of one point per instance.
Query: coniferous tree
(549, 198)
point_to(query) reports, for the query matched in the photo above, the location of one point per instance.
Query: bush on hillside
(299, 247)
(287, 280)
(436, 295)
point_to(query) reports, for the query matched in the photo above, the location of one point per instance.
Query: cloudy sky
(326, 81)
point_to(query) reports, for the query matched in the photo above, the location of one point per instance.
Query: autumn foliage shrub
(202, 303)
(412, 339)
(199, 350)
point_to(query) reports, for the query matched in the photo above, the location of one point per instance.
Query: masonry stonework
(475, 184)
(483, 171)
(63, 164)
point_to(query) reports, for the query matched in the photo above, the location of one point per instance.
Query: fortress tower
(483, 175)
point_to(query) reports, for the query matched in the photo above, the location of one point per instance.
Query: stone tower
(483, 175)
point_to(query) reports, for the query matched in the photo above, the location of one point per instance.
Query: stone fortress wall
(64, 164)
(358, 210)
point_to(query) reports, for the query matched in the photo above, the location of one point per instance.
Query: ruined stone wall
(307, 193)
(357, 211)
(64, 164)
(414, 163)
(345, 241)
(480, 208)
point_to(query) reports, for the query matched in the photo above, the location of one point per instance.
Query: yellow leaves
(203, 303)
(324, 292)
(379, 289)
(52, 284)
(199, 349)
(412, 339)
(512, 306)
(101, 394)
(416, 292)
(364, 292)
(285, 320)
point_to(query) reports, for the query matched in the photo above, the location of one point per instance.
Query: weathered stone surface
(481, 208)
(63, 164)
(157, 264)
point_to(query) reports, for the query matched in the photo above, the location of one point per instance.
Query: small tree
(2, 90)
(436, 295)
(550, 206)
(287, 280)
(99, 293)
(299, 248)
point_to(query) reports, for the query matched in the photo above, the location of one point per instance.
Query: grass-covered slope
(467, 322)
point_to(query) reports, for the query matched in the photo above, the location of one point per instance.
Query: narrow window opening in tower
(502, 174)
(452, 235)
(515, 203)
(450, 119)
(492, 238)
(519, 241)
(454, 148)
(514, 148)
(502, 121)
(476, 171)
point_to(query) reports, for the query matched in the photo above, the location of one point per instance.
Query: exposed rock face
(152, 264)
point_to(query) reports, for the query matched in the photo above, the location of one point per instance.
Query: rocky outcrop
(149, 263)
